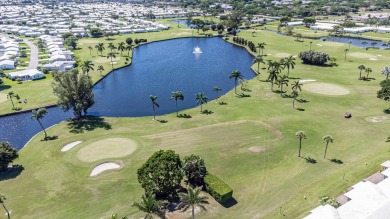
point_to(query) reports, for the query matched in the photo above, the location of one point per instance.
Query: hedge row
(217, 188)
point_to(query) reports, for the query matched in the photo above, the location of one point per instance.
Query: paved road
(33, 54)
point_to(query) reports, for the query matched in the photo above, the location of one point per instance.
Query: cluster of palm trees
(122, 46)
(302, 135)
(367, 71)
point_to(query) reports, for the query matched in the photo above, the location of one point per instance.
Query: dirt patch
(106, 60)
(3, 97)
(89, 41)
(107, 148)
(256, 149)
(376, 119)
(325, 88)
(282, 55)
(361, 55)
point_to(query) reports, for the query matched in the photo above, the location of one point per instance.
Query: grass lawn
(250, 143)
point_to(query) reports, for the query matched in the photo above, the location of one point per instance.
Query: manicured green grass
(57, 185)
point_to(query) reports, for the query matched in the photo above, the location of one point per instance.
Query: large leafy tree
(161, 174)
(194, 169)
(2, 200)
(154, 105)
(191, 199)
(74, 91)
(236, 74)
(327, 139)
(361, 68)
(384, 92)
(150, 205)
(300, 135)
(201, 99)
(39, 114)
(87, 66)
(129, 41)
(386, 71)
(177, 95)
(7, 155)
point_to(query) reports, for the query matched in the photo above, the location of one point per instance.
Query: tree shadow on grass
(184, 116)
(230, 203)
(207, 112)
(12, 172)
(50, 138)
(300, 109)
(310, 160)
(5, 87)
(242, 95)
(303, 100)
(162, 121)
(222, 103)
(336, 161)
(88, 123)
(387, 111)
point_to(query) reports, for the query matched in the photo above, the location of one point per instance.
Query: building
(26, 75)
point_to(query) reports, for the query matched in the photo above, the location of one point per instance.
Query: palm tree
(150, 206)
(90, 50)
(368, 71)
(296, 86)
(201, 99)
(39, 115)
(258, 60)
(177, 95)
(386, 71)
(261, 47)
(87, 65)
(301, 135)
(111, 46)
(275, 65)
(349, 44)
(191, 199)
(327, 139)
(294, 94)
(154, 104)
(100, 69)
(364, 44)
(273, 76)
(12, 95)
(345, 54)
(128, 48)
(361, 68)
(2, 199)
(217, 89)
(111, 55)
(100, 48)
(236, 74)
(282, 80)
(121, 47)
(288, 62)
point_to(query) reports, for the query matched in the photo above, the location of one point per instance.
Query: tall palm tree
(121, 47)
(386, 71)
(12, 95)
(217, 89)
(90, 50)
(150, 206)
(191, 199)
(273, 76)
(368, 71)
(364, 44)
(275, 65)
(87, 66)
(2, 199)
(261, 47)
(236, 74)
(100, 48)
(361, 68)
(201, 99)
(288, 62)
(345, 54)
(128, 49)
(296, 86)
(282, 80)
(327, 139)
(39, 114)
(258, 60)
(301, 135)
(294, 94)
(112, 56)
(111, 46)
(154, 104)
(100, 69)
(177, 95)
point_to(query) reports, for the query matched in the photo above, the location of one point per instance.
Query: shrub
(194, 169)
(330, 201)
(313, 57)
(45, 71)
(217, 188)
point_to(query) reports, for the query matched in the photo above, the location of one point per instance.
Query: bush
(313, 57)
(194, 169)
(217, 188)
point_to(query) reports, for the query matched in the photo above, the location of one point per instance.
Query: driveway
(33, 54)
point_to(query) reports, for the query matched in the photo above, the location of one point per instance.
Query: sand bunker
(70, 146)
(282, 55)
(3, 97)
(107, 148)
(361, 55)
(256, 149)
(325, 88)
(89, 41)
(373, 59)
(319, 44)
(376, 119)
(104, 167)
(306, 80)
(106, 60)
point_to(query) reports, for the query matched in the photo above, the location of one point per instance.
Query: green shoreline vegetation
(266, 181)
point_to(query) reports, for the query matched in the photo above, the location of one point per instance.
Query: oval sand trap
(104, 167)
(107, 148)
(325, 88)
(70, 146)
(3, 97)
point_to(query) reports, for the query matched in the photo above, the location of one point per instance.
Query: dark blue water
(157, 69)
(356, 41)
(183, 22)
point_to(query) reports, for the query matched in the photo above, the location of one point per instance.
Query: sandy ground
(361, 55)
(89, 41)
(104, 167)
(3, 97)
(256, 149)
(373, 59)
(282, 55)
(325, 88)
(70, 146)
(376, 119)
(306, 80)
(107, 148)
(106, 60)
(319, 44)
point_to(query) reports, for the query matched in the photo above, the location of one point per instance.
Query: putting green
(3, 97)
(361, 55)
(325, 88)
(106, 148)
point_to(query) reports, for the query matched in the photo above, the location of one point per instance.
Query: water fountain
(197, 50)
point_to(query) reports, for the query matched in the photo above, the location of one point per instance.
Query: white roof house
(26, 75)
(7, 64)
(60, 65)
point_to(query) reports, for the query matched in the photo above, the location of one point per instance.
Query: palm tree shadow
(336, 161)
(207, 112)
(88, 123)
(222, 103)
(242, 95)
(300, 109)
(12, 172)
(50, 138)
(162, 121)
(185, 116)
(230, 203)
(310, 160)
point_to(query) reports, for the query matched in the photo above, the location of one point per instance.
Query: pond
(183, 22)
(157, 69)
(359, 42)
